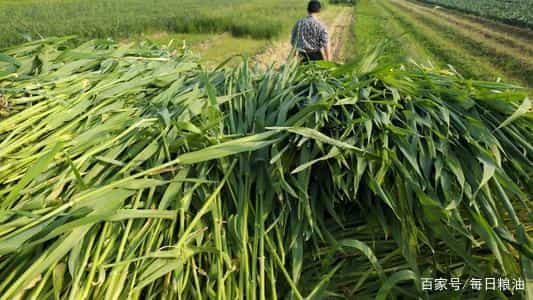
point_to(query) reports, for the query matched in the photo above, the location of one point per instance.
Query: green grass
(513, 12)
(224, 46)
(125, 18)
(430, 41)
(212, 48)
(374, 25)
(370, 28)
(471, 55)
(447, 51)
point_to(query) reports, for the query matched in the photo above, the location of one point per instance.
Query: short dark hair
(313, 6)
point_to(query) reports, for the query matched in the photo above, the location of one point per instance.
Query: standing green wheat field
(32, 19)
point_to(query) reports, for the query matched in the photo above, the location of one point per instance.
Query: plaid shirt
(309, 35)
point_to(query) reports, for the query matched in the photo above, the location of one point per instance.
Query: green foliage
(123, 18)
(132, 173)
(417, 32)
(514, 12)
(349, 2)
(372, 27)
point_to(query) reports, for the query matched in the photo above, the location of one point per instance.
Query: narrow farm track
(490, 50)
(338, 28)
(338, 31)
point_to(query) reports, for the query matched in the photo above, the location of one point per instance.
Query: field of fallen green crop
(128, 172)
(131, 169)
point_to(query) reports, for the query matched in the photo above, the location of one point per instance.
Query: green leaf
(126, 214)
(317, 135)
(392, 280)
(58, 276)
(520, 111)
(232, 147)
(31, 174)
(367, 251)
(8, 59)
(141, 184)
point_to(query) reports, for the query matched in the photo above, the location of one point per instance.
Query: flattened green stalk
(238, 183)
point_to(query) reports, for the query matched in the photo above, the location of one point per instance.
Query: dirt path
(339, 31)
(338, 23)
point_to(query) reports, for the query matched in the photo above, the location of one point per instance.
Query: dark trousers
(310, 56)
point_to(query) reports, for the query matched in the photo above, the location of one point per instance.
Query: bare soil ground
(338, 28)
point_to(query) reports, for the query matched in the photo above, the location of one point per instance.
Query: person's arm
(293, 39)
(327, 51)
(324, 41)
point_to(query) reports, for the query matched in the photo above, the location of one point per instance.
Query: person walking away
(309, 36)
